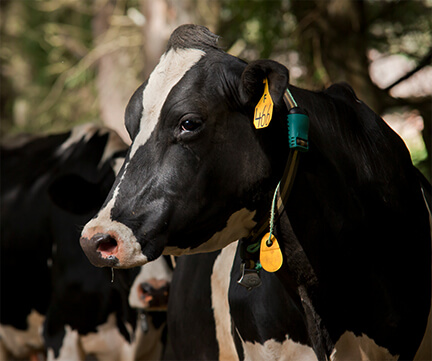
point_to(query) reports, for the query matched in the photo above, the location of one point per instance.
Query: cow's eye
(189, 125)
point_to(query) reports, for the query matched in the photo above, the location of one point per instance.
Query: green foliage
(400, 27)
(42, 43)
(260, 23)
(49, 53)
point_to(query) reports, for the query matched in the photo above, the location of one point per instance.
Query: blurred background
(66, 62)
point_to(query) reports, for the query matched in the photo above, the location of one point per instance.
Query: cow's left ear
(252, 88)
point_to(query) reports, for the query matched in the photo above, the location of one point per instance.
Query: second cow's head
(197, 167)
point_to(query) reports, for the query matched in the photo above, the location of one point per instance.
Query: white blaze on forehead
(172, 66)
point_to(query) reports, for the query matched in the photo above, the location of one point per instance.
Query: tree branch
(425, 61)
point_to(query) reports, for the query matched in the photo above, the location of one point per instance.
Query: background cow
(199, 175)
(51, 186)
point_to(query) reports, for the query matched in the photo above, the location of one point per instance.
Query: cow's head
(191, 178)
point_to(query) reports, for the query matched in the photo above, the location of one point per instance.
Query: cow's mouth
(107, 248)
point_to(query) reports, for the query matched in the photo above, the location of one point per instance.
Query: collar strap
(298, 127)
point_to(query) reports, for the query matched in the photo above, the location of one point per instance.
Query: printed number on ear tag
(270, 256)
(264, 109)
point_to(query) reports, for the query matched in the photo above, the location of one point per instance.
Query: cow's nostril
(106, 244)
(146, 288)
(101, 249)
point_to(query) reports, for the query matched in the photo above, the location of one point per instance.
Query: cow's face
(188, 181)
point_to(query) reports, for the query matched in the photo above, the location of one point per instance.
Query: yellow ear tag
(270, 256)
(264, 109)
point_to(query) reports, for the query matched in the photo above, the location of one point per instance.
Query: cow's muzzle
(153, 294)
(100, 249)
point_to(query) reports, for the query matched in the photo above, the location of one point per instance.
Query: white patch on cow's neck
(352, 347)
(239, 225)
(273, 350)
(157, 269)
(172, 66)
(220, 281)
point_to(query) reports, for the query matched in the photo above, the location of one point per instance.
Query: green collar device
(270, 256)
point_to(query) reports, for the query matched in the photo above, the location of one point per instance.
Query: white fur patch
(108, 343)
(272, 350)
(239, 225)
(220, 281)
(361, 348)
(157, 269)
(172, 66)
(70, 349)
(21, 343)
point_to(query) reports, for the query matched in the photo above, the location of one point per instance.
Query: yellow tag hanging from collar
(264, 109)
(270, 253)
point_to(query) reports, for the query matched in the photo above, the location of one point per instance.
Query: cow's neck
(302, 268)
(299, 274)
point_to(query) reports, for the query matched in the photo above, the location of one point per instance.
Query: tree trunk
(114, 90)
(343, 47)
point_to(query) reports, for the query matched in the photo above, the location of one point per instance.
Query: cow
(51, 185)
(234, 323)
(353, 230)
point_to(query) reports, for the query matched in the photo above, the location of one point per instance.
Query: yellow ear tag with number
(270, 256)
(264, 109)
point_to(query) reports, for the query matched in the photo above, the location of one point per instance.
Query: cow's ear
(134, 111)
(252, 87)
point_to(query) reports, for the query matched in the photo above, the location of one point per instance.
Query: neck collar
(298, 126)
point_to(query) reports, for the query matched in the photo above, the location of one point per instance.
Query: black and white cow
(262, 324)
(354, 233)
(233, 323)
(51, 185)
